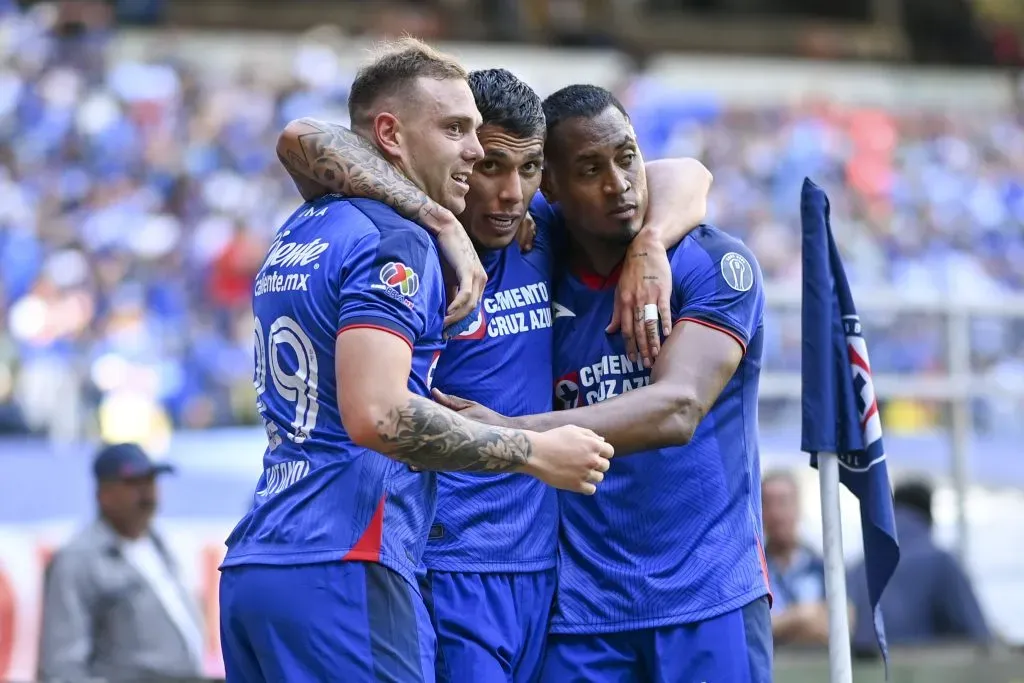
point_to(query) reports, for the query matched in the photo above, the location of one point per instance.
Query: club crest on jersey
(400, 277)
(737, 272)
(476, 329)
(567, 391)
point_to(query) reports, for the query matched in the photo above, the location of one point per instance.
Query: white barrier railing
(958, 387)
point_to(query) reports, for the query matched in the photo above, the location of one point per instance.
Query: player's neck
(595, 257)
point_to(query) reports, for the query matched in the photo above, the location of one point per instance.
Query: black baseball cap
(125, 461)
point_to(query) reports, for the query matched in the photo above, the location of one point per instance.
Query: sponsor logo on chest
(514, 310)
(612, 375)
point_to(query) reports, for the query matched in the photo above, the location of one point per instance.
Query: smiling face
(502, 185)
(415, 105)
(440, 141)
(596, 174)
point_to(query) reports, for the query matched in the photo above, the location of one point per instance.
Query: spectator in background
(929, 599)
(796, 573)
(114, 606)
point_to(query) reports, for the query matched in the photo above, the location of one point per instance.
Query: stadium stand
(138, 199)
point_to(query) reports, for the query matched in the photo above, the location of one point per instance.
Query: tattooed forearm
(345, 163)
(430, 437)
(309, 189)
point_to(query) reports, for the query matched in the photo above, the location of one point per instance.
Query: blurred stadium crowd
(137, 200)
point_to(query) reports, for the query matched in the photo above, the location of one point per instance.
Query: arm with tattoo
(380, 413)
(324, 157)
(334, 159)
(427, 436)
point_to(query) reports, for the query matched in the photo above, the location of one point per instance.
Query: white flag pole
(839, 658)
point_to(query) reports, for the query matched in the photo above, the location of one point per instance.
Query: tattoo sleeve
(430, 437)
(345, 163)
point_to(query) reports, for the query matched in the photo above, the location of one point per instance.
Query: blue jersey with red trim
(673, 535)
(507, 522)
(337, 264)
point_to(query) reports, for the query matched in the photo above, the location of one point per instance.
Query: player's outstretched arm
(678, 193)
(325, 157)
(689, 375)
(379, 412)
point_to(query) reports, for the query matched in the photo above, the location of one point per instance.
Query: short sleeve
(717, 282)
(385, 283)
(551, 236)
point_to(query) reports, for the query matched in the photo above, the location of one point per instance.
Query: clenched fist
(570, 458)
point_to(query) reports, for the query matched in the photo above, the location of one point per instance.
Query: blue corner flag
(840, 414)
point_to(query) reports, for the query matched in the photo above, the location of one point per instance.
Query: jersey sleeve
(717, 282)
(551, 236)
(382, 283)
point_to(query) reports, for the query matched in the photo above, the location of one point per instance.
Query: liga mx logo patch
(400, 277)
(567, 391)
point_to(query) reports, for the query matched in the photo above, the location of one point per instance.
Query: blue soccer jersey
(673, 536)
(508, 522)
(337, 264)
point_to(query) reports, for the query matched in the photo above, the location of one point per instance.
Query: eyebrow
(469, 121)
(505, 156)
(627, 141)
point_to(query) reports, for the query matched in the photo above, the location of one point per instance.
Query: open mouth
(503, 222)
(461, 179)
(624, 212)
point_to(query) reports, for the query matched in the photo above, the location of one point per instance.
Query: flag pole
(839, 658)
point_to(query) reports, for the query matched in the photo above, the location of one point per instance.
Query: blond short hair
(395, 66)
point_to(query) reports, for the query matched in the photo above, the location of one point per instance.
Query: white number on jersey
(299, 387)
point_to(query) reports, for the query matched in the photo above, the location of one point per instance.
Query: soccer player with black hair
(662, 576)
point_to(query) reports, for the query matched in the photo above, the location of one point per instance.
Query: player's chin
(618, 232)
(454, 203)
(628, 229)
(455, 197)
(490, 237)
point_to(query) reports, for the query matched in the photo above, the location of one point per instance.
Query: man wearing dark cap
(114, 606)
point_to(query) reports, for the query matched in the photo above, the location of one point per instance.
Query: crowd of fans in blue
(137, 201)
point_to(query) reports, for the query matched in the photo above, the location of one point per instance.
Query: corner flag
(840, 413)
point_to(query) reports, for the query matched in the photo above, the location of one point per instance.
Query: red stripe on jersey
(367, 326)
(713, 326)
(367, 548)
(764, 571)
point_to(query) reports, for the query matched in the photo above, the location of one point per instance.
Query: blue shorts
(733, 648)
(316, 622)
(491, 628)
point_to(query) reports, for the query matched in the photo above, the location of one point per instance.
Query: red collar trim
(593, 280)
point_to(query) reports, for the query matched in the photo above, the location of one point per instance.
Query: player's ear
(387, 133)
